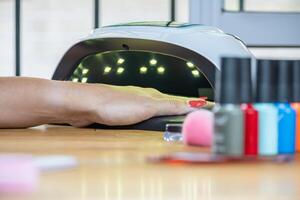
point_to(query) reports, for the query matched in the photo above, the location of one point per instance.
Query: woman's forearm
(26, 102)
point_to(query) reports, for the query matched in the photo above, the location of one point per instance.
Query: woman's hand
(124, 105)
(28, 102)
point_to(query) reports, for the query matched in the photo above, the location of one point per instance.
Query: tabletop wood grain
(113, 166)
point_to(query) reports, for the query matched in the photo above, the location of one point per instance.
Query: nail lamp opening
(175, 58)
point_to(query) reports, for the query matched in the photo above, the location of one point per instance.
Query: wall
(50, 27)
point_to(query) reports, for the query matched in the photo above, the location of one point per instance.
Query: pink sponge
(198, 128)
(18, 174)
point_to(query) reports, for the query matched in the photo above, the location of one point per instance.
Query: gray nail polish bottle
(229, 118)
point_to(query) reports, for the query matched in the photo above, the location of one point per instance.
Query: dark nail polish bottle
(286, 114)
(250, 113)
(229, 118)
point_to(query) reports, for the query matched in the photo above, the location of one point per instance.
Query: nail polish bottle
(250, 113)
(268, 113)
(286, 114)
(296, 98)
(229, 118)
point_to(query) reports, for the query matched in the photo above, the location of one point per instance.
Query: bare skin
(26, 102)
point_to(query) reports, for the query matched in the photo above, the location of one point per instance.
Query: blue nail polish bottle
(268, 113)
(286, 114)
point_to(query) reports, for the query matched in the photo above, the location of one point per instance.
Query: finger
(207, 105)
(174, 106)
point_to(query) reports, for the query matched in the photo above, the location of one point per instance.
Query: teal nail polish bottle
(268, 113)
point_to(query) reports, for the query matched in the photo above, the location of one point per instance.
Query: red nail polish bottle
(250, 114)
(250, 129)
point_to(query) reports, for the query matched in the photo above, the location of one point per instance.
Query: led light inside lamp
(85, 71)
(107, 69)
(120, 61)
(75, 79)
(143, 70)
(195, 73)
(76, 72)
(153, 62)
(190, 64)
(120, 70)
(84, 80)
(80, 66)
(160, 70)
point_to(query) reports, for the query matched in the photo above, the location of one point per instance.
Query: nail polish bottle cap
(227, 81)
(245, 83)
(296, 81)
(284, 87)
(266, 81)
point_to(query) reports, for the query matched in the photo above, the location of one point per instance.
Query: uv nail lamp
(175, 58)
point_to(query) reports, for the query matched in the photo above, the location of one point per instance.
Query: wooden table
(114, 167)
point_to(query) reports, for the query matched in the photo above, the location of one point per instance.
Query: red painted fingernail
(197, 103)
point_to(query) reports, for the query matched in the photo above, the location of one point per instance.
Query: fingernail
(197, 103)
